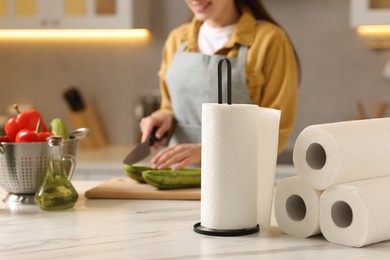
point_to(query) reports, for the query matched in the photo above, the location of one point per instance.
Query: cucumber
(135, 172)
(169, 179)
(58, 127)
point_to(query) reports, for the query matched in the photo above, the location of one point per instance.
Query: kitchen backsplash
(338, 69)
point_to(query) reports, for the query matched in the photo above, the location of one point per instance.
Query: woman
(265, 71)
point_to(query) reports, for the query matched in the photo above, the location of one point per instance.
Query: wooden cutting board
(126, 188)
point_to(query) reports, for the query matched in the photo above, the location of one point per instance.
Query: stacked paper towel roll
(349, 163)
(297, 207)
(333, 153)
(357, 213)
(239, 149)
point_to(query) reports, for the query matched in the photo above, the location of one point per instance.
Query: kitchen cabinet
(370, 12)
(74, 14)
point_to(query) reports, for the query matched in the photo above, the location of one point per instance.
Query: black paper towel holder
(198, 228)
(229, 81)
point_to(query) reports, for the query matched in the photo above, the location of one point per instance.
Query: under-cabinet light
(72, 33)
(374, 29)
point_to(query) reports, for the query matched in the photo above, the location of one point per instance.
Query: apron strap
(241, 57)
(182, 47)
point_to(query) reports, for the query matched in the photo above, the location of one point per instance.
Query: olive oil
(56, 191)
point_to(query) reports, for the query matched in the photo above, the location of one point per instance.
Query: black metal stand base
(198, 228)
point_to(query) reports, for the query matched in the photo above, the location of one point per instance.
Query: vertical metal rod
(229, 81)
(220, 81)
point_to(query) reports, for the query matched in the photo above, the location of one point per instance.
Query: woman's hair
(257, 8)
(261, 13)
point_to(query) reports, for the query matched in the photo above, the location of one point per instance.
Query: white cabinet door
(18, 14)
(74, 14)
(370, 12)
(91, 14)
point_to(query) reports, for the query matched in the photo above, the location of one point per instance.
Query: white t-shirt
(212, 39)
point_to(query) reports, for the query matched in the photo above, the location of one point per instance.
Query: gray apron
(192, 80)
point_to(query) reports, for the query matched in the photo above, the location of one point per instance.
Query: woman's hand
(162, 122)
(179, 154)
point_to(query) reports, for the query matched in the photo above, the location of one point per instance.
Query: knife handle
(153, 138)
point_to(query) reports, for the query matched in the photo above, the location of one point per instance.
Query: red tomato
(43, 135)
(5, 139)
(26, 135)
(11, 128)
(29, 120)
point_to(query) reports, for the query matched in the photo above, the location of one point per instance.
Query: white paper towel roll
(296, 207)
(268, 137)
(356, 214)
(231, 136)
(341, 152)
(229, 166)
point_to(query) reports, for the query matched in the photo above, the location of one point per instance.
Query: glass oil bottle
(56, 191)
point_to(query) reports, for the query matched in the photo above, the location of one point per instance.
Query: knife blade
(142, 150)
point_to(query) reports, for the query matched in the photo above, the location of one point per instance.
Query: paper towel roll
(296, 207)
(239, 150)
(356, 214)
(229, 166)
(341, 152)
(268, 137)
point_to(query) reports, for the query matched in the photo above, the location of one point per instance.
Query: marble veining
(148, 229)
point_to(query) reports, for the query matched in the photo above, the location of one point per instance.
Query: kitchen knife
(142, 150)
(75, 101)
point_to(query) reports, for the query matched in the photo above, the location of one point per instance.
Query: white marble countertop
(148, 229)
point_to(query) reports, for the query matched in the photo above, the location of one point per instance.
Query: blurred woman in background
(265, 71)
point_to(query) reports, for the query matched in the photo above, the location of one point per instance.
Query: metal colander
(23, 165)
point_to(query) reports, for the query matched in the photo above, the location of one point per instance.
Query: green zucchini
(135, 172)
(169, 179)
(58, 127)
